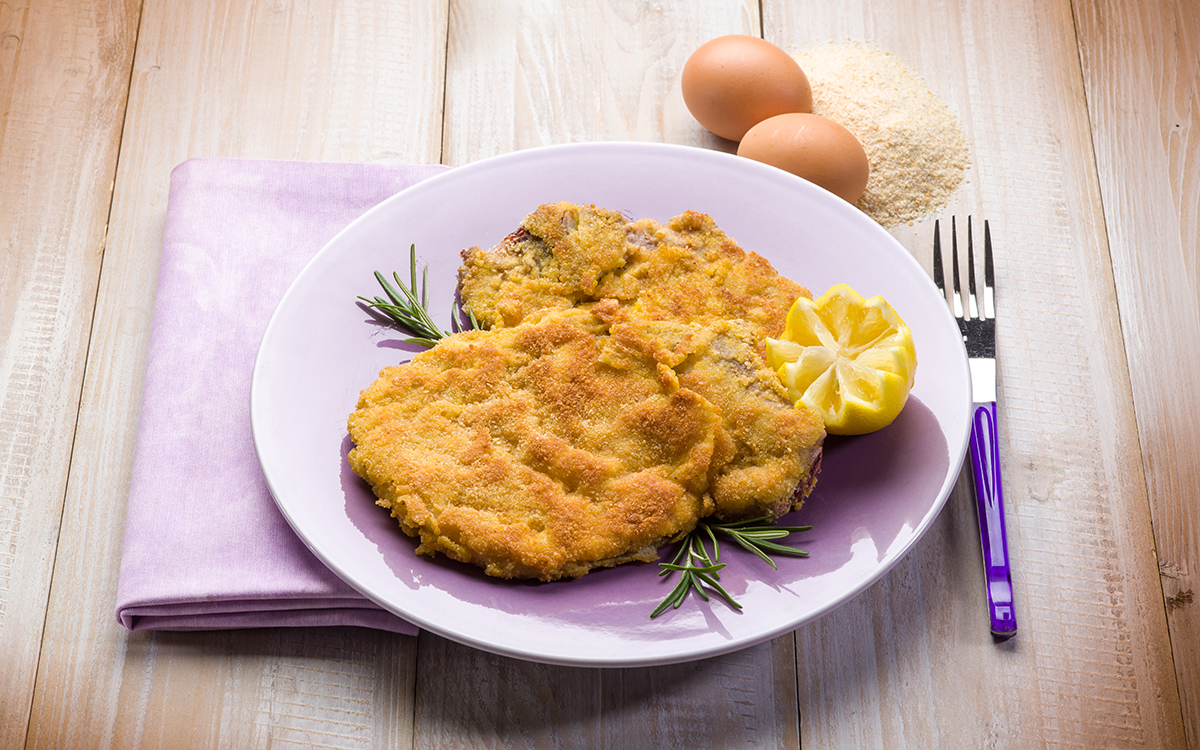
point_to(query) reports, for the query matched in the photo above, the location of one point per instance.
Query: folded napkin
(205, 545)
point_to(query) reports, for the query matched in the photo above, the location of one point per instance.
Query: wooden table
(1083, 118)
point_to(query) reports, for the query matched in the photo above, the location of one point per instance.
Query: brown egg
(812, 147)
(732, 83)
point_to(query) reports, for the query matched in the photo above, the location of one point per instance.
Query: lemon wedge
(851, 359)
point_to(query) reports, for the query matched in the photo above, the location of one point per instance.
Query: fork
(977, 320)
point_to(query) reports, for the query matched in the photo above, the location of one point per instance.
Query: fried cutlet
(564, 255)
(541, 450)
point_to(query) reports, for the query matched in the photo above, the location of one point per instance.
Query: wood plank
(350, 81)
(1140, 64)
(530, 74)
(535, 74)
(1091, 665)
(64, 68)
(745, 698)
(470, 699)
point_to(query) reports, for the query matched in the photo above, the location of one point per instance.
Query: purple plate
(876, 496)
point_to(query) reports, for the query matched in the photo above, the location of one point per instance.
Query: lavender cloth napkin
(205, 546)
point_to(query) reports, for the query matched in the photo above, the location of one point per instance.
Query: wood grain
(743, 699)
(471, 699)
(1082, 117)
(1140, 64)
(1090, 666)
(62, 99)
(359, 81)
(533, 74)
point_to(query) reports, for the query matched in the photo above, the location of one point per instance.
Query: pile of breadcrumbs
(915, 145)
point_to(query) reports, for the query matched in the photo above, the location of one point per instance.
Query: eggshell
(732, 83)
(812, 147)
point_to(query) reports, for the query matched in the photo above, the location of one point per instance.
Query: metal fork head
(976, 314)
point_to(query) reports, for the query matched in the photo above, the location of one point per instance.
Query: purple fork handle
(989, 496)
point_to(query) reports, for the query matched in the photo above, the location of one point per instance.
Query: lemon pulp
(851, 359)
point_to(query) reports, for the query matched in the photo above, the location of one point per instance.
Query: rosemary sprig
(457, 326)
(409, 310)
(755, 536)
(699, 569)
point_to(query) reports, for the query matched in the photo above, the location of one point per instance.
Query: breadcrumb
(915, 145)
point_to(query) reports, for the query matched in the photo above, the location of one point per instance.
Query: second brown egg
(813, 147)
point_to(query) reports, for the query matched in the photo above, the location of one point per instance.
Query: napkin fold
(205, 545)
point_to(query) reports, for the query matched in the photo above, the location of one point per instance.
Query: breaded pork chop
(542, 450)
(565, 255)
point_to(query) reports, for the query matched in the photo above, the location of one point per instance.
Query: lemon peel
(851, 359)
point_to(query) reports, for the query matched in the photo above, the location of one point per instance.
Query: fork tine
(989, 274)
(939, 279)
(957, 301)
(972, 294)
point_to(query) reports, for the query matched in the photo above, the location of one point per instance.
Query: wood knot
(1180, 600)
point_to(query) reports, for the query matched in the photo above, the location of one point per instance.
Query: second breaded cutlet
(564, 255)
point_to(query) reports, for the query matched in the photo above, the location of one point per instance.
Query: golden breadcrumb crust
(541, 450)
(564, 255)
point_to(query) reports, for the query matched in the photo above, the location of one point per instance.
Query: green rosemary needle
(409, 310)
(700, 571)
